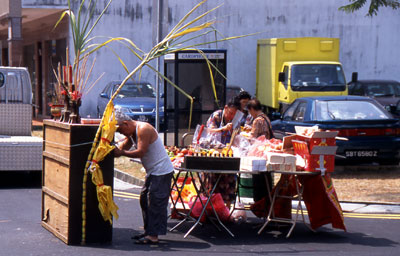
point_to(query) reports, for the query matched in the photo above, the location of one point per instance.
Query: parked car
(373, 134)
(137, 100)
(386, 92)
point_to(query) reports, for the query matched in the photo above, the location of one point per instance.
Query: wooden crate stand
(65, 151)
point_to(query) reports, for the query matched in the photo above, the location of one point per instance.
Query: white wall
(368, 45)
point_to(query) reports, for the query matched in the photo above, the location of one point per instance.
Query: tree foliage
(374, 5)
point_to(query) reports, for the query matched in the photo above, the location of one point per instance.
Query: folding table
(299, 191)
(208, 194)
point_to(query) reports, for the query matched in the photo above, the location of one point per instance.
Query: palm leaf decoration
(174, 41)
(374, 6)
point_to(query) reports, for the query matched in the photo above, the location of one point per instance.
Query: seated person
(243, 98)
(220, 121)
(261, 126)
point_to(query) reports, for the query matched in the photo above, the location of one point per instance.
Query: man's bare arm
(126, 144)
(144, 137)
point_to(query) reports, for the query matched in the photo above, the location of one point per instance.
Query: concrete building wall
(132, 20)
(368, 45)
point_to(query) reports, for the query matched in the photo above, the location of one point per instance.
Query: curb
(127, 178)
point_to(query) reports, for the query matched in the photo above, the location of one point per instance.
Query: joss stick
(82, 72)
(90, 71)
(67, 58)
(55, 87)
(64, 75)
(95, 82)
(66, 67)
(70, 77)
(63, 78)
(66, 78)
(76, 70)
(59, 82)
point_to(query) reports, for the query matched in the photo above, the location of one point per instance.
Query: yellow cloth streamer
(107, 206)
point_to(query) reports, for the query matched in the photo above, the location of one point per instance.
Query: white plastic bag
(239, 213)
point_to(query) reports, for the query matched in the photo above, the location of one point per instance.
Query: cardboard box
(281, 162)
(316, 137)
(317, 158)
(281, 167)
(253, 163)
(318, 148)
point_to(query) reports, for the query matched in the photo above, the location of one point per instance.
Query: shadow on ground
(20, 179)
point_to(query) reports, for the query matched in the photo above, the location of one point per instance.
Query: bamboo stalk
(158, 50)
(67, 58)
(87, 78)
(95, 82)
(82, 72)
(76, 70)
(92, 150)
(59, 82)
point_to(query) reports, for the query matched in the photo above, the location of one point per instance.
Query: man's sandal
(137, 237)
(145, 240)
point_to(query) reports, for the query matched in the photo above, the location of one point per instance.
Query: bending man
(159, 170)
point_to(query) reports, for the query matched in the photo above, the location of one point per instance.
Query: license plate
(142, 118)
(362, 153)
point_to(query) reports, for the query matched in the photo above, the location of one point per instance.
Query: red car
(386, 92)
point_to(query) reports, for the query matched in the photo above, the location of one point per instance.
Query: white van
(19, 150)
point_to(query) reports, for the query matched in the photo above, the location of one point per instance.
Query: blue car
(137, 100)
(373, 133)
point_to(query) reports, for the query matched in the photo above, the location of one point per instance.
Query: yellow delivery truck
(290, 68)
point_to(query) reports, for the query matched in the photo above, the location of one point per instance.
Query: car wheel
(389, 162)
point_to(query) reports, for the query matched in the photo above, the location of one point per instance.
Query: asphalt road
(22, 234)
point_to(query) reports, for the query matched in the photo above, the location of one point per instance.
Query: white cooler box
(20, 153)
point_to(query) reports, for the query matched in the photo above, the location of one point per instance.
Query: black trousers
(260, 187)
(154, 203)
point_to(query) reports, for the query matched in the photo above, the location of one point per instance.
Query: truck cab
(310, 78)
(290, 68)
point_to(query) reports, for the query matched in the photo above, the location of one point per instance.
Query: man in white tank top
(159, 170)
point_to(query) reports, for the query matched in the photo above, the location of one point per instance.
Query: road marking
(126, 195)
(372, 216)
(364, 215)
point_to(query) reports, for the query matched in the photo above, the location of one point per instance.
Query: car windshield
(137, 90)
(383, 89)
(348, 110)
(317, 74)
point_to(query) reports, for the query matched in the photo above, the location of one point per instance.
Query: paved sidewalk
(370, 207)
(352, 207)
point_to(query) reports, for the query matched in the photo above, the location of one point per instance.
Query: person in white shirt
(159, 170)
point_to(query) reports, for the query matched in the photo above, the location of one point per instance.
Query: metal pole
(158, 38)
